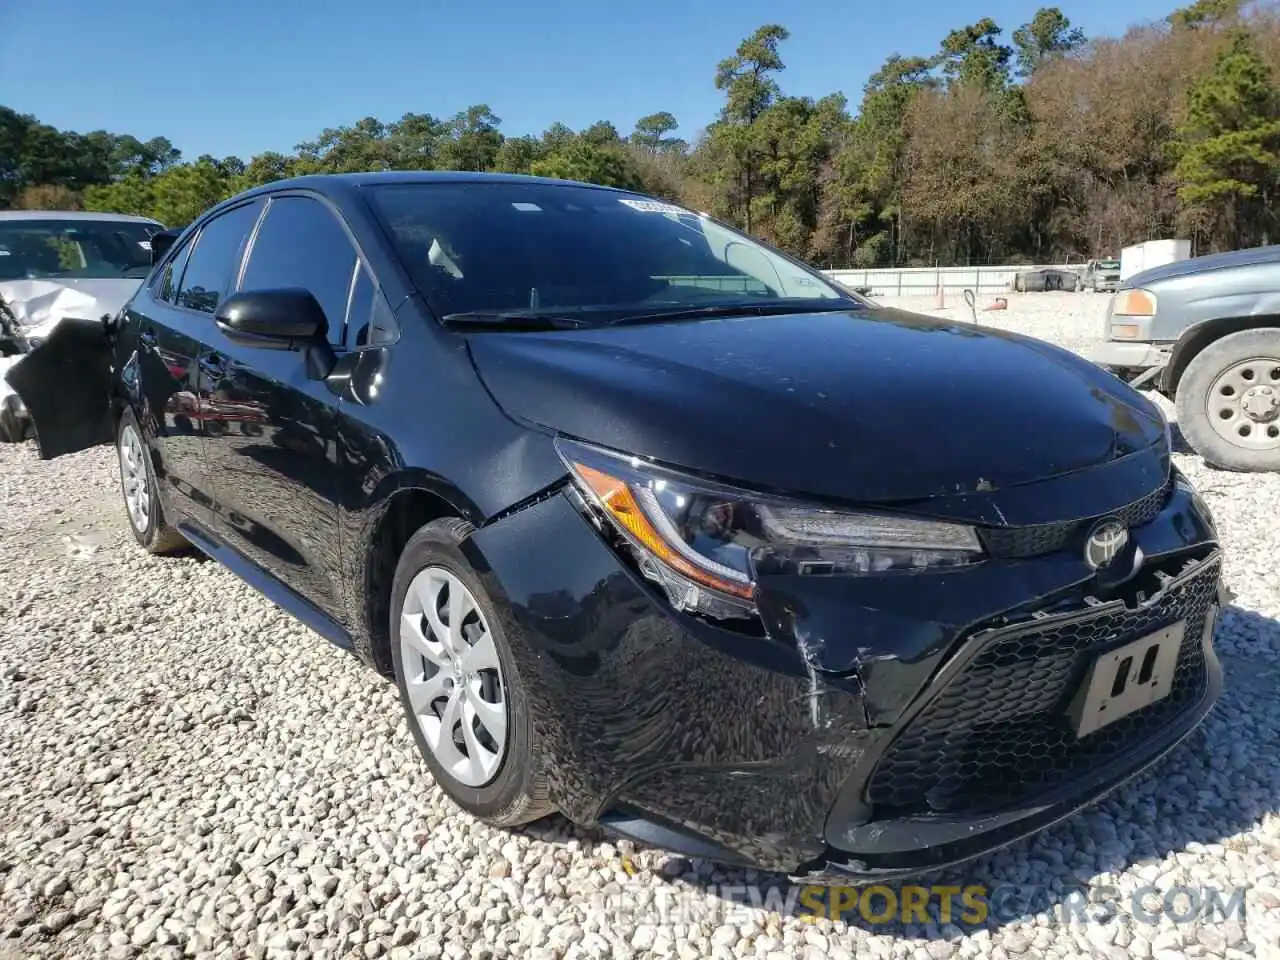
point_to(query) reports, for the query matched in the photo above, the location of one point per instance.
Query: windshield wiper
(512, 321)
(736, 310)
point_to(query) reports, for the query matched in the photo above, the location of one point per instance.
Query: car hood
(873, 405)
(1216, 261)
(39, 304)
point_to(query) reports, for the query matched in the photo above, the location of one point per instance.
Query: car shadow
(1216, 785)
(1180, 444)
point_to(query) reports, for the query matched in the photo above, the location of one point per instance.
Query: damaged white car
(55, 265)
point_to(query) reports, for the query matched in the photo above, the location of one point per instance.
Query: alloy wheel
(134, 477)
(453, 677)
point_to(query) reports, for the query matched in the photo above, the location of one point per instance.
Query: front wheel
(138, 483)
(463, 697)
(1228, 401)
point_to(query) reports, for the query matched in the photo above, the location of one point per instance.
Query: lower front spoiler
(888, 850)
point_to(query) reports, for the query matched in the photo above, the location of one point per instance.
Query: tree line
(1048, 146)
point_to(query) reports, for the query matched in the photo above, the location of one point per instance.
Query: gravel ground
(184, 770)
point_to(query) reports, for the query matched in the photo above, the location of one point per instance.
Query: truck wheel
(1228, 401)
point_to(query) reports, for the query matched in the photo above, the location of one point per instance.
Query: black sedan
(655, 526)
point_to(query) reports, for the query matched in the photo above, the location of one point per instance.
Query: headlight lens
(708, 544)
(1134, 303)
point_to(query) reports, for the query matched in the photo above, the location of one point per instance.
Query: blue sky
(238, 77)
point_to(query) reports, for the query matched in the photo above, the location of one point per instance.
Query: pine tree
(1229, 170)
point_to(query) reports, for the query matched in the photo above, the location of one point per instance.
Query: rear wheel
(138, 483)
(1228, 401)
(458, 683)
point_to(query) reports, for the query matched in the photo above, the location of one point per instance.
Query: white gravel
(185, 771)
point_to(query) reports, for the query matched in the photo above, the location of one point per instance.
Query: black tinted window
(302, 244)
(166, 285)
(212, 265)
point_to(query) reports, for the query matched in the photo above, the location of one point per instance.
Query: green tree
(556, 136)
(748, 81)
(132, 194)
(1048, 35)
(349, 149)
(589, 162)
(266, 168)
(1229, 169)
(472, 141)
(518, 154)
(651, 132)
(972, 55)
(794, 137)
(1205, 13)
(861, 217)
(413, 142)
(602, 133)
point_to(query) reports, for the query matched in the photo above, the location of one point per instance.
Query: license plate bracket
(1127, 679)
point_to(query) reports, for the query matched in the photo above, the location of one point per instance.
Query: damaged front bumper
(1138, 362)
(719, 743)
(987, 754)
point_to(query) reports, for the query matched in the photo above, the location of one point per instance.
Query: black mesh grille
(1033, 541)
(999, 733)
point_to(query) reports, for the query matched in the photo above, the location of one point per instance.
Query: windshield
(594, 256)
(36, 249)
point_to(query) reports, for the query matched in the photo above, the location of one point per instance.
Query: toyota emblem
(1105, 542)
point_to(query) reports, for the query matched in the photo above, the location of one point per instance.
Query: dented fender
(621, 683)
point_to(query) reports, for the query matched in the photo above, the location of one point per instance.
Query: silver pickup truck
(1205, 332)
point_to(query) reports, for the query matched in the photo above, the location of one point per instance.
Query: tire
(13, 428)
(146, 517)
(1202, 397)
(514, 791)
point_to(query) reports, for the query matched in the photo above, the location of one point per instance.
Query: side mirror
(162, 242)
(287, 319)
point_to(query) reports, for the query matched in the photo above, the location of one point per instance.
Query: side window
(166, 285)
(302, 244)
(212, 265)
(370, 322)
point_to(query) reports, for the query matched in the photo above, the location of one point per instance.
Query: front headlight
(708, 544)
(1134, 303)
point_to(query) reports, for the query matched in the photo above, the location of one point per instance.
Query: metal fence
(928, 281)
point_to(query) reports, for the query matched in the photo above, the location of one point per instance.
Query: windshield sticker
(527, 207)
(653, 206)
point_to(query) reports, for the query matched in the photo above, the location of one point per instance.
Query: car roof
(374, 178)
(338, 184)
(71, 215)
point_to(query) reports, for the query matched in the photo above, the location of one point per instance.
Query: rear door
(170, 322)
(274, 455)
